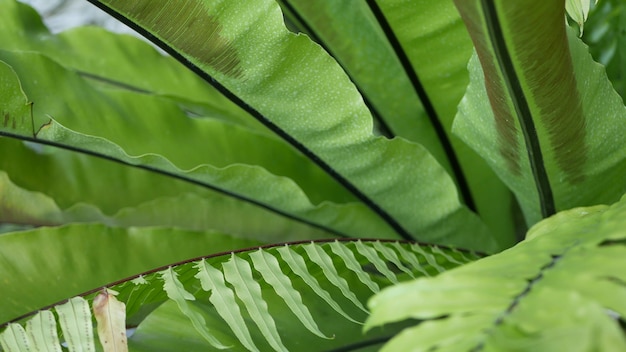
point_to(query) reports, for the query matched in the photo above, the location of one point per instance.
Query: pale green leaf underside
(269, 268)
(14, 338)
(298, 265)
(325, 261)
(352, 264)
(375, 260)
(238, 272)
(552, 291)
(223, 298)
(391, 256)
(75, 321)
(176, 292)
(42, 330)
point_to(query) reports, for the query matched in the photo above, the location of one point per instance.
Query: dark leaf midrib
(515, 301)
(210, 256)
(383, 126)
(433, 117)
(518, 98)
(180, 178)
(114, 83)
(383, 214)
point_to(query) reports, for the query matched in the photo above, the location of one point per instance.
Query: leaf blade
(269, 268)
(110, 315)
(176, 291)
(297, 264)
(332, 138)
(75, 321)
(570, 131)
(223, 299)
(42, 328)
(238, 273)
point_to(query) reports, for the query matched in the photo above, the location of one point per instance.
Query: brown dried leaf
(111, 317)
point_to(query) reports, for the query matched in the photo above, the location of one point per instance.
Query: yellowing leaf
(111, 317)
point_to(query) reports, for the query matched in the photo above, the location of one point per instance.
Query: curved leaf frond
(537, 95)
(262, 295)
(561, 288)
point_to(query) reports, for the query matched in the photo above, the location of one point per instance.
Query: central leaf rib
(431, 112)
(238, 100)
(522, 109)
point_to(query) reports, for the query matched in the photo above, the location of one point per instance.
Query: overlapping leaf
(259, 296)
(562, 288)
(537, 96)
(437, 47)
(309, 102)
(605, 33)
(80, 50)
(88, 256)
(140, 199)
(136, 114)
(250, 183)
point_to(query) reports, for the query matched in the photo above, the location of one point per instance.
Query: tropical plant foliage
(562, 289)
(272, 285)
(149, 191)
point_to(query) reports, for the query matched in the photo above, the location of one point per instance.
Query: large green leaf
(432, 44)
(553, 116)
(303, 95)
(80, 50)
(249, 183)
(84, 257)
(560, 289)
(350, 33)
(143, 124)
(66, 193)
(437, 46)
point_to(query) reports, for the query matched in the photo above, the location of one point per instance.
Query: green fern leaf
(462, 260)
(374, 259)
(40, 335)
(268, 266)
(392, 257)
(321, 258)
(311, 280)
(43, 331)
(238, 273)
(176, 291)
(75, 321)
(298, 265)
(352, 264)
(430, 258)
(338, 133)
(223, 299)
(561, 289)
(410, 258)
(14, 338)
